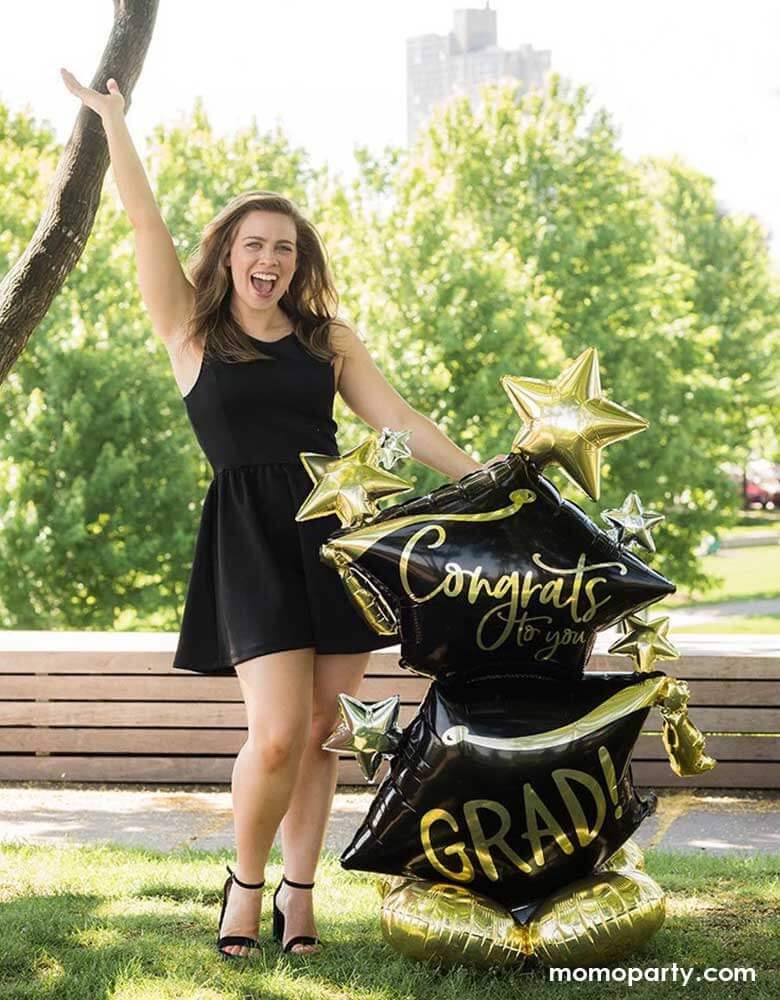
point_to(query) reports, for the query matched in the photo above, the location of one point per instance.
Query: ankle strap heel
(240, 939)
(277, 929)
(245, 885)
(297, 885)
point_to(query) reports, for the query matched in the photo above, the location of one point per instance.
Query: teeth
(265, 275)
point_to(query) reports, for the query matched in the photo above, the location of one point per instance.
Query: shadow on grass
(132, 924)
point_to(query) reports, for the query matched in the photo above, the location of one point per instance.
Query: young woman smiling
(258, 353)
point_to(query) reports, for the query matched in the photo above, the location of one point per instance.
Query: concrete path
(166, 820)
(722, 612)
(750, 541)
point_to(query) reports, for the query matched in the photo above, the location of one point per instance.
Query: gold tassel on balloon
(684, 743)
(569, 421)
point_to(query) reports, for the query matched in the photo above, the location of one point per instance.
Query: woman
(260, 605)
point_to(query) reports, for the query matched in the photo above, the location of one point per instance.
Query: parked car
(754, 493)
(759, 483)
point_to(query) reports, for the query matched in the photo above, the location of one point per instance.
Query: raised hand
(112, 103)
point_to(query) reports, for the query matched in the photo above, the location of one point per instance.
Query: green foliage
(505, 241)
(512, 238)
(194, 172)
(101, 476)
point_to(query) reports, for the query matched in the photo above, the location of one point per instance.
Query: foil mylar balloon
(348, 485)
(645, 641)
(494, 575)
(393, 446)
(600, 918)
(366, 730)
(569, 421)
(632, 523)
(630, 855)
(511, 796)
(450, 924)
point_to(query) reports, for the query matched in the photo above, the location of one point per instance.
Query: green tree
(505, 241)
(511, 238)
(101, 475)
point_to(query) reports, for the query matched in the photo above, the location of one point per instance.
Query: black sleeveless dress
(257, 584)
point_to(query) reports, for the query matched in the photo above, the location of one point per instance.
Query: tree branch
(30, 286)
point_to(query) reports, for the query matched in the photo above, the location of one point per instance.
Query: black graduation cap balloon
(495, 575)
(511, 796)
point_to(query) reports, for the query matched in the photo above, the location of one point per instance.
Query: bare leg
(278, 693)
(303, 826)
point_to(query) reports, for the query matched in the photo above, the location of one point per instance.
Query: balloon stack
(503, 827)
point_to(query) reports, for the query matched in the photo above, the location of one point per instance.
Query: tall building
(441, 66)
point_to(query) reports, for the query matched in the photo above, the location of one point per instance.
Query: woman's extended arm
(368, 394)
(166, 292)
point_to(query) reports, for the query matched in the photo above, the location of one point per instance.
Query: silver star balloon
(632, 523)
(392, 447)
(367, 729)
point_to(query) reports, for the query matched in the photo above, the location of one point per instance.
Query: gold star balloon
(569, 421)
(368, 730)
(348, 485)
(633, 522)
(645, 640)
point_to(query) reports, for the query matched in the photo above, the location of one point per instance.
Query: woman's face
(263, 245)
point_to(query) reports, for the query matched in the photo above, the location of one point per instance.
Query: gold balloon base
(596, 920)
(450, 925)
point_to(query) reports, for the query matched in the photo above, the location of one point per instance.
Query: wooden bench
(108, 707)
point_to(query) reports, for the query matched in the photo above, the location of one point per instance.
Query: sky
(700, 78)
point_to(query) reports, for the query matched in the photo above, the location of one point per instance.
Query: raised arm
(367, 393)
(166, 292)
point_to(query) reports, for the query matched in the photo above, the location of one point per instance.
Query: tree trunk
(28, 289)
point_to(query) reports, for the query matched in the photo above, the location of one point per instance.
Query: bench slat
(229, 741)
(233, 715)
(211, 770)
(730, 694)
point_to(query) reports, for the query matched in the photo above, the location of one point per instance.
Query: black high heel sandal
(279, 918)
(247, 942)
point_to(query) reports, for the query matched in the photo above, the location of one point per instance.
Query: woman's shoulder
(343, 336)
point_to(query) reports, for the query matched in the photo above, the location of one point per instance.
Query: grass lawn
(752, 624)
(747, 573)
(755, 520)
(764, 527)
(130, 924)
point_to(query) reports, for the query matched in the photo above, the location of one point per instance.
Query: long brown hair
(310, 301)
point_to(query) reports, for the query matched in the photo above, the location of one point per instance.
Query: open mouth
(263, 285)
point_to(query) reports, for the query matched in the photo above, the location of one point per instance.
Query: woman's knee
(323, 722)
(277, 690)
(277, 748)
(325, 707)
